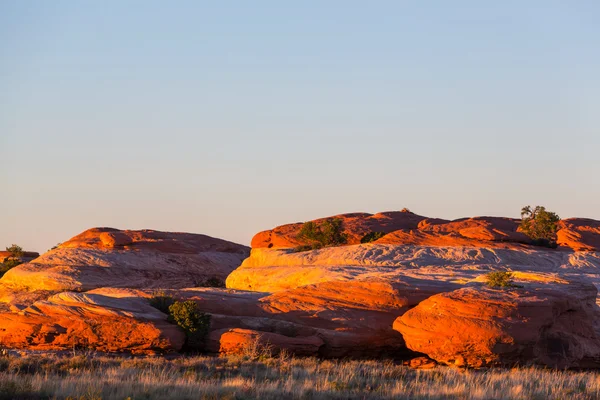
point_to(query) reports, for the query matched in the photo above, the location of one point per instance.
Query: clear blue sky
(227, 118)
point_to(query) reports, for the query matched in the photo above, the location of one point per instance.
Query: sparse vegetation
(194, 323)
(328, 233)
(161, 301)
(92, 376)
(187, 316)
(501, 279)
(540, 225)
(16, 252)
(372, 236)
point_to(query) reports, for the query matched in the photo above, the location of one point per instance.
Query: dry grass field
(257, 376)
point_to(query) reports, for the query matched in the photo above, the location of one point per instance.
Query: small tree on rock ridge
(539, 224)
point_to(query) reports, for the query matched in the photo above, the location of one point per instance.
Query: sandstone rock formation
(424, 277)
(105, 257)
(90, 321)
(27, 255)
(356, 225)
(579, 234)
(542, 320)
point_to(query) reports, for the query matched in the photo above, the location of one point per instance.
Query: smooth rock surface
(544, 320)
(105, 257)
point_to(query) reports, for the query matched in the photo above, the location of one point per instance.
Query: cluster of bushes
(16, 253)
(187, 316)
(329, 233)
(540, 225)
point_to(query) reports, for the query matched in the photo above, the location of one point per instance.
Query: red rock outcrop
(580, 234)
(248, 341)
(105, 257)
(27, 255)
(90, 321)
(356, 226)
(544, 320)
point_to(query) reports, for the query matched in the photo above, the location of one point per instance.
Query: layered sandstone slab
(90, 321)
(543, 320)
(407, 228)
(356, 226)
(332, 319)
(580, 234)
(272, 270)
(105, 257)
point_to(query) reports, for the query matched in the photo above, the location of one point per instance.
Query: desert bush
(194, 323)
(500, 279)
(8, 264)
(372, 236)
(328, 233)
(15, 251)
(540, 225)
(161, 301)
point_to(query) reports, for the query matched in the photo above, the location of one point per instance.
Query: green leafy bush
(372, 236)
(328, 233)
(194, 323)
(500, 279)
(15, 251)
(540, 225)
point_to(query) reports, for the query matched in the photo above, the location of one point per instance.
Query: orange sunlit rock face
(406, 228)
(579, 234)
(90, 321)
(421, 287)
(546, 321)
(106, 257)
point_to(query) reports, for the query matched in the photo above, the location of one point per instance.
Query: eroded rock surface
(424, 277)
(90, 321)
(106, 257)
(543, 320)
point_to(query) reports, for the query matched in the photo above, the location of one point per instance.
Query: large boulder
(543, 319)
(90, 321)
(105, 257)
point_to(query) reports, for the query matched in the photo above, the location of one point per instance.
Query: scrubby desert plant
(15, 251)
(500, 279)
(540, 225)
(194, 323)
(161, 301)
(372, 236)
(329, 233)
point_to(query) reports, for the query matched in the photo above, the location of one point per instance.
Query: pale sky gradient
(227, 118)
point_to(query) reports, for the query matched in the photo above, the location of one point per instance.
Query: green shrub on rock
(500, 279)
(328, 233)
(540, 225)
(194, 323)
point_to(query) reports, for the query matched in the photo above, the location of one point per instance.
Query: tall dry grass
(255, 375)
